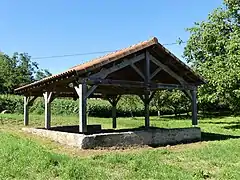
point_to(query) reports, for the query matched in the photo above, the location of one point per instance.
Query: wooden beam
(152, 95)
(81, 90)
(31, 100)
(147, 67)
(91, 90)
(169, 71)
(48, 98)
(126, 62)
(137, 84)
(155, 72)
(194, 108)
(138, 71)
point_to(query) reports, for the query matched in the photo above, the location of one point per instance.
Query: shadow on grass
(233, 127)
(222, 122)
(216, 137)
(211, 115)
(179, 117)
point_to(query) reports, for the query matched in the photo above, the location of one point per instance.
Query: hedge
(66, 106)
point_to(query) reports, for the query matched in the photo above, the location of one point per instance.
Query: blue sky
(58, 27)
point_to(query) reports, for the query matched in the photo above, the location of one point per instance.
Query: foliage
(214, 51)
(67, 106)
(171, 101)
(18, 70)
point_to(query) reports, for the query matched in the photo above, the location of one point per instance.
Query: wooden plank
(138, 71)
(194, 108)
(104, 73)
(155, 72)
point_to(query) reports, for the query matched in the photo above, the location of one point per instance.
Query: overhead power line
(91, 53)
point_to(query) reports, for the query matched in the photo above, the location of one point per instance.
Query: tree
(18, 70)
(213, 50)
(43, 73)
(173, 101)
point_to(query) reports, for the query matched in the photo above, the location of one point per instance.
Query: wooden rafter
(126, 62)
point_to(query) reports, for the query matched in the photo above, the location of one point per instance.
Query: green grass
(24, 156)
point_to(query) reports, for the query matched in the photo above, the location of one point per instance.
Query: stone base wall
(151, 136)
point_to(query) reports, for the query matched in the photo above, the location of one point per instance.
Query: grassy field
(25, 156)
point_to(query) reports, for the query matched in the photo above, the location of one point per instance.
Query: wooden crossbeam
(155, 72)
(137, 84)
(169, 71)
(91, 90)
(138, 71)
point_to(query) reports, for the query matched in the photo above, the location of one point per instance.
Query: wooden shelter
(140, 69)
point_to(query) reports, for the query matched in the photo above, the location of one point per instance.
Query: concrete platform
(118, 138)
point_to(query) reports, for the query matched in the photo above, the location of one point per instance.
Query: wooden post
(27, 102)
(114, 116)
(146, 110)
(81, 90)
(146, 95)
(194, 108)
(47, 101)
(113, 101)
(26, 112)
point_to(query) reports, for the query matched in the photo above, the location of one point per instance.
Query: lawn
(25, 156)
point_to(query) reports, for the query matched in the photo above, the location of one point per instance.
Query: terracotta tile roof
(115, 55)
(101, 61)
(96, 62)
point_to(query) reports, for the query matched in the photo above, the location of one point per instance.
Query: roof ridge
(154, 40)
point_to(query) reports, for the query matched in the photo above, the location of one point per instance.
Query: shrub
(67, 106)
